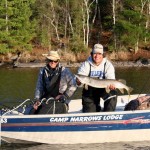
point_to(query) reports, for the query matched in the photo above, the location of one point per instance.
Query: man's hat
(98, 48)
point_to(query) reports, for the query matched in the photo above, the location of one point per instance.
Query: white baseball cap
(98, 48)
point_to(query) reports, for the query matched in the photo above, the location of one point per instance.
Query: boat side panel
(78, 123)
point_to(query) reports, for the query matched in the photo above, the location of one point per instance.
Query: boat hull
(81, 138)
(79, 128)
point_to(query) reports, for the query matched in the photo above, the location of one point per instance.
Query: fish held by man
(104, 83)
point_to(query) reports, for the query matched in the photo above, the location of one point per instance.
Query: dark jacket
(67, 84)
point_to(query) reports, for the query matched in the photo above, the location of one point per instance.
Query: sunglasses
(55, 61)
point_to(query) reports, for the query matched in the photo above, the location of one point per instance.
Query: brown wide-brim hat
(53, 55)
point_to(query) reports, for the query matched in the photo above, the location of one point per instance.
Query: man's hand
(36, 104)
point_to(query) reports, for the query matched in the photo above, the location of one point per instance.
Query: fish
(104, 83)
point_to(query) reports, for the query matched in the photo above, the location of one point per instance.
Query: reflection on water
(19, 83)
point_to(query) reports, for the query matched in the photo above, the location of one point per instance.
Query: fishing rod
(9, 107)
(16, 107)
(24, 108)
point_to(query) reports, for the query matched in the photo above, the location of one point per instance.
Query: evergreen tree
(130, 25)
(16, 25)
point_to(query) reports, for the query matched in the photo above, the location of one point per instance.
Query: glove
(63, 98)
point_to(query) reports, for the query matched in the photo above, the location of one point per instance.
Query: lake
(19, 84)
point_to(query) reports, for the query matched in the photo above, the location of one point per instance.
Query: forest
(74, 25)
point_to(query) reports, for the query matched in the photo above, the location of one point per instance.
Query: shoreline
(69, 65)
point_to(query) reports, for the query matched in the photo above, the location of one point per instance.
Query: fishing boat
(77, 127)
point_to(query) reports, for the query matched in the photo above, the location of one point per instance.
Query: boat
(76, 127)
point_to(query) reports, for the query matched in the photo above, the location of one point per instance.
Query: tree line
(74, 24)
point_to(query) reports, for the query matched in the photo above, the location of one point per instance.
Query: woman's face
(97, 58)
(53, 64)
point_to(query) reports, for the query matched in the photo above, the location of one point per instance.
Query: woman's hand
(36, 104)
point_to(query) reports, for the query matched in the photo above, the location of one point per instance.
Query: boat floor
(75, 106)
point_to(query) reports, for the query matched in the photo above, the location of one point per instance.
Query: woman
(54, 81)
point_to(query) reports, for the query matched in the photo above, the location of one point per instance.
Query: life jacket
(51, 81)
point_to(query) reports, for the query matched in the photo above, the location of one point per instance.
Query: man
(54, 81)
(96, 66)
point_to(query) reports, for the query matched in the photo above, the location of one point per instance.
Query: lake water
(19, 84)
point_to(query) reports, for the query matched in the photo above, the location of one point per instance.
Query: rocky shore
(131, 64)
(66, 64)
(36, 59)
(115, 63)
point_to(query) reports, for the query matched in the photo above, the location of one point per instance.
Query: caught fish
(104, 83)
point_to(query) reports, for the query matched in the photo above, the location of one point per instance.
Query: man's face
(97, 58)
(53, 63)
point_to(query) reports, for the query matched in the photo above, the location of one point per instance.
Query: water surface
(19, 84)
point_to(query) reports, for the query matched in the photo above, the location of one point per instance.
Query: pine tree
(130, 25)
(16, 25)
